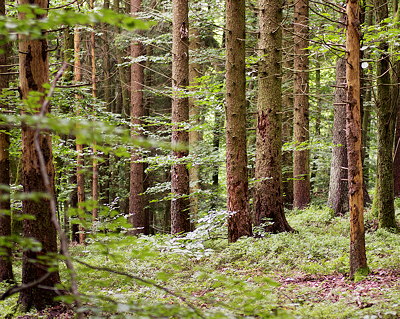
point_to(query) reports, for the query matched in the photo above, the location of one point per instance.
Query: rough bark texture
(137, 215)
(34, 73)
(194, 115)
(301, 162)
(268, 196)
(80, 178)
(358, 260)
(6, 273)
(180, 204)
(338, 184)
(287, 106)
(239, 221)
(384, 189)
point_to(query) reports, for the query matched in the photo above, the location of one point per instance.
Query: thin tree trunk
(301, 161)
(338, 184)
(180, 205)
(268, 198)
(34, 73)
(80, 178)
(358, 260)
(239, 221)
(6, 272)
(137, 215)
(194, 134)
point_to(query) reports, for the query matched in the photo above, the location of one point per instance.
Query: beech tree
(268, 196)
(34, 75)
(239, 222)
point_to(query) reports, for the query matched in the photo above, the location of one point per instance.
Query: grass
(289, 275)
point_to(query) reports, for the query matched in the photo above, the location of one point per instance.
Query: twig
(15, 289)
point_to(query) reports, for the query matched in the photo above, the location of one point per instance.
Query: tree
(180, 205)
(80, 177)
(37, 265)
(268, 196)
(338, 184)
(386, 116)
(358, 259)
(301, 161)
(6, 272)
(239, 222)
(137, 217)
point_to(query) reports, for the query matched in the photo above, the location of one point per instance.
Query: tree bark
(137, 215)
(180, 205)
(301, 161)
(80, 178)
(338, 184)
(239, 221)
(384, 189)
(268, 198)
(358, 259)
(34, 73)
(6, 272)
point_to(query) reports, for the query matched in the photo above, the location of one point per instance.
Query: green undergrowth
(288, 275)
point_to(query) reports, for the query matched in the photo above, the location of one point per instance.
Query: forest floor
(290, 275)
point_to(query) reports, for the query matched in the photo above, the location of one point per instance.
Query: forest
(199, 159)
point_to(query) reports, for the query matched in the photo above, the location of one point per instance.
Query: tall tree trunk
(194, 115)
(6, 272)
(268, 197)
(80, 178)
(358, 259)
(34, 73)
(287, 106)
(338, 184)
(301, 161)
(95, 168)
(180, 219)
(239, 221)
(137, 215)
(384, 189)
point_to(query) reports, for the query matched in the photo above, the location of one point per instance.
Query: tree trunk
(180, 219)
(6, 272)
(358, 260)
(239, 221)
(384, 189)
(137, 216)
(287, 106)
(301, 161)
(268, 197)
(194, 134)
(338, 184)
(34, 73)
(80, 178)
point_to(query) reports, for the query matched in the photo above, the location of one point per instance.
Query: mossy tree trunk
(239, 221)
(268, 196)
(386, 115)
